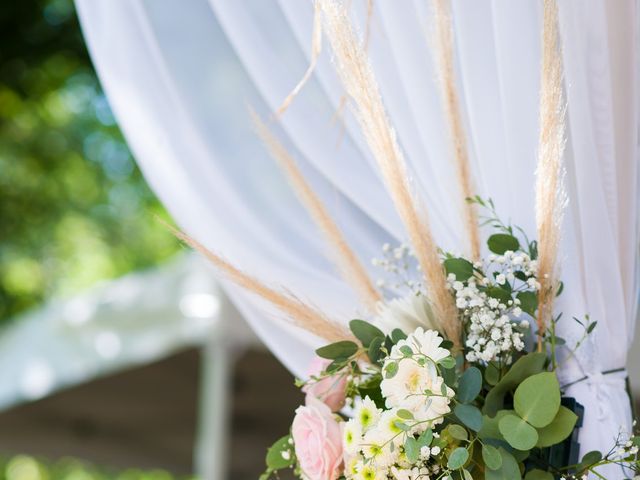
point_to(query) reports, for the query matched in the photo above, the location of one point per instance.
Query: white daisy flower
(405, 313)
(366, 414)
(352, 437)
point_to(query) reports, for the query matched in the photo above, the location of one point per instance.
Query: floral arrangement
(409, 405)
(453, 376)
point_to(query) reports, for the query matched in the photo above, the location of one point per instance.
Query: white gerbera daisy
(409, 389)
(405, 313)
(421, 341)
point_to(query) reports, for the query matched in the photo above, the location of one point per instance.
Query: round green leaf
(518, 433)
(461, 268)
(343, 349)
(466, 474)
(448, 362)
(411, 449)
(590, 458)
(536, 474)
(524, 367)
(509, 470)
(490, 429)
(469, 385)
(469, 415)
(365, 332)
(390, 370)
(458, 458)
(501, 242)
(458, 432)
(424, 440)
(559, 429)
(404, 414)
(537, 399)
(491, 456)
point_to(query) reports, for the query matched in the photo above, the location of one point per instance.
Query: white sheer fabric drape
(180, 74)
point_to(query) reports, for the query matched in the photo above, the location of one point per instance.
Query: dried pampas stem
(360, 84)
(550, 194)
(301, 314)
(350, 267)
(316, 48)
(444, 51)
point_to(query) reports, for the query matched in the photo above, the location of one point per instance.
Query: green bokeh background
(74, 208)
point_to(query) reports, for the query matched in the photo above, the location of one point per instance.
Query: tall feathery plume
(346, 260)
(300, 313)
(316, 48)
(550, 193)
(444, 51)
(360, 84)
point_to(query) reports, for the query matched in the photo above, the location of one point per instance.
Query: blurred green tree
(74, 208)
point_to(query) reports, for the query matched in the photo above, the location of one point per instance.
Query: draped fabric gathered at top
(180, 75)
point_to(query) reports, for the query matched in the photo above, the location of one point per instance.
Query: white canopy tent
(138, 319)
(179, 74)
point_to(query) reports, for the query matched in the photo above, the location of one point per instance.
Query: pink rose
(317, 437)
(331, 390)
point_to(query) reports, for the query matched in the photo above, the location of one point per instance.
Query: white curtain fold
(180, 74)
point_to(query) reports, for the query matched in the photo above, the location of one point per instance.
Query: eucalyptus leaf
(469, 415)
(406, 350)
(458, 458)
(457, 432)
(404, 414)
(469, 385)
(536, 474)
(448, 362)
(509, 470)
(524, 367)
(365, 332)
(518, 433)
(449, 376)
(558, 430)
(590, 458)
(390, 370)
(411, 449)
(424, 440)
(501, 242)
(491, 456)
(537, 399)
(338, 350)
(490, 426)
(401, 425)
